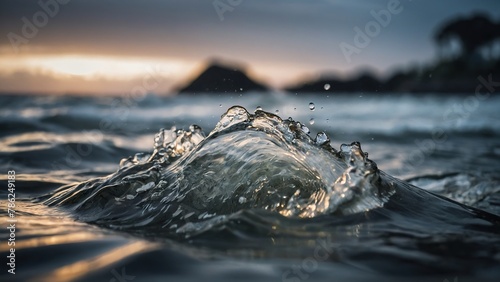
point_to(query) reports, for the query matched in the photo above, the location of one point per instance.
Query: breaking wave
(249, 161)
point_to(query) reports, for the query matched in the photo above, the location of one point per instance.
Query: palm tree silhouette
(472, 34)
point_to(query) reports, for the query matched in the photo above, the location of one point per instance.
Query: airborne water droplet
(327, 86)
(259, 108)
(242, 200)
(311, 121)
(220, 105)
(312, 106)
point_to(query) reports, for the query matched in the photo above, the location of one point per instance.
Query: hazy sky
(99, 46)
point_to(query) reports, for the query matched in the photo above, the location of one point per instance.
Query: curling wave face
(249, 161)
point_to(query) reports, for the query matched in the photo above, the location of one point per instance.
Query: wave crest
(249, 161)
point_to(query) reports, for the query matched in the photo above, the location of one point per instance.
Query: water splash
(249, 161)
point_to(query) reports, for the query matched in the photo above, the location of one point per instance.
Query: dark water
(115, 189)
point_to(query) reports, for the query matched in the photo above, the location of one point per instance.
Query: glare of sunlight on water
(80, 268)
(51, 240)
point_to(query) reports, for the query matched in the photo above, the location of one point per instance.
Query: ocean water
(251, 186)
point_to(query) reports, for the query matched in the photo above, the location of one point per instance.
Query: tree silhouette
(472, 34)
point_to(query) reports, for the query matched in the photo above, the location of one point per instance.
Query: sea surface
(250, 187)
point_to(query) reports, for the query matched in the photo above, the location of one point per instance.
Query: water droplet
(294, 109)
(311, 121)
(259, 108)
(242, 200)
(277, 111)
(241, 89)
(327, 86)
(312, 106)
(220, 105)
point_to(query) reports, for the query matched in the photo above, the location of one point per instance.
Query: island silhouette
(222, 78)
(467, 47)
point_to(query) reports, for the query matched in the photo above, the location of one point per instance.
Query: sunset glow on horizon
(90, 67)
(83, 73)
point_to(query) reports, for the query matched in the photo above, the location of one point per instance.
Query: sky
(117, 46)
